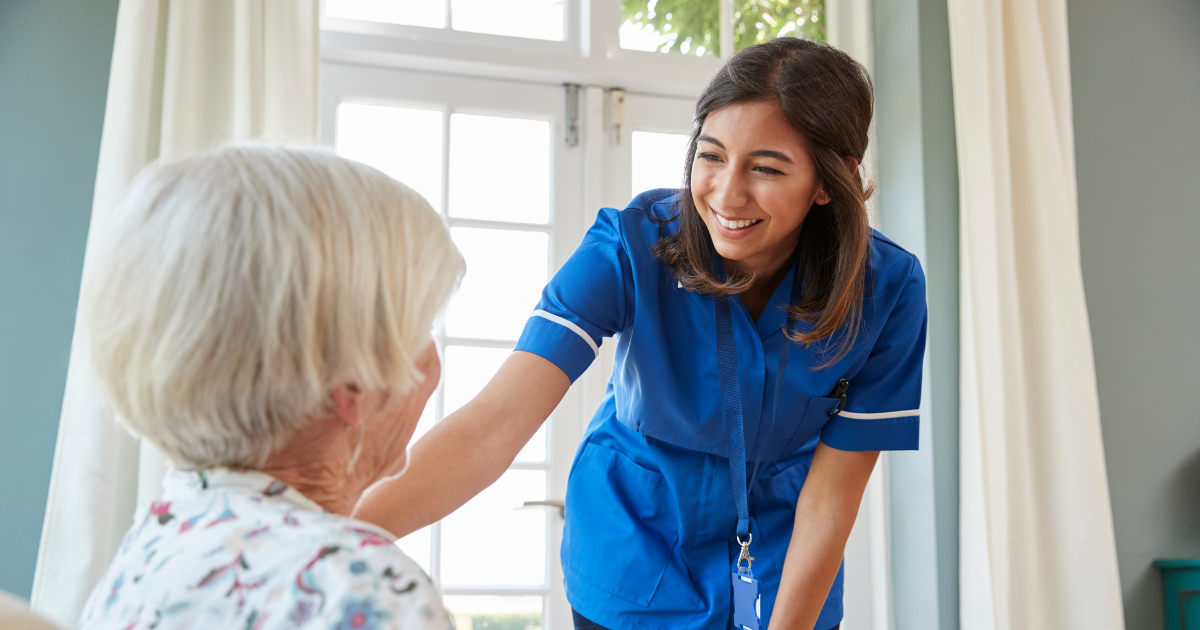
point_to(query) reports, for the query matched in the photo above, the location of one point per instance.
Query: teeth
(736, 225)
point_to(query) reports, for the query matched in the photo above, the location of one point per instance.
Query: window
(489, 156)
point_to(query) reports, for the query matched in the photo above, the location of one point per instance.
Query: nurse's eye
(708, 157)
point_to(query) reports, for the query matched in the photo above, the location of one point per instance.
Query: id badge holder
(747, 601)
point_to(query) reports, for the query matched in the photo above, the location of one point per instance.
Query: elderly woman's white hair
(237, 288)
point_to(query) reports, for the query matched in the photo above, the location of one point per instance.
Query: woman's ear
(823, 197)
(347, 404)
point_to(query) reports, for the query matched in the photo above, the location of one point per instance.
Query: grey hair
(233, 290)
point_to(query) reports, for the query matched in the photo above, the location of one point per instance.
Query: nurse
(769, 345)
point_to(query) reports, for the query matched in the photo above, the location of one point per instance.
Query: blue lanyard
(731, 409)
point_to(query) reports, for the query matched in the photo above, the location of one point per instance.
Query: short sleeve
(590, 298)
(882, 411)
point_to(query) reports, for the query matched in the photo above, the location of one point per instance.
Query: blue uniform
(650, 518)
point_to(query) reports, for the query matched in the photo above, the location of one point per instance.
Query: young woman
(769, 345)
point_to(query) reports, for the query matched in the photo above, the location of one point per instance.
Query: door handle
(562, 507)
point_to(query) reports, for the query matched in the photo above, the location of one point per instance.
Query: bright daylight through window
(535, 19)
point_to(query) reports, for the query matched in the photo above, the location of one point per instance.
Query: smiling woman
(709, 439)
(781, 131)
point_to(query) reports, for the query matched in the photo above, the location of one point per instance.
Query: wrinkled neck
(315, 463)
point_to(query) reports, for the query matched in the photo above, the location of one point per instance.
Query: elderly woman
(262, 316)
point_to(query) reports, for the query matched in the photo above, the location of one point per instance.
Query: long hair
(828, 99)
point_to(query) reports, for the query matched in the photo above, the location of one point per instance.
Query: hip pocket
(816, 415)
(620, 527)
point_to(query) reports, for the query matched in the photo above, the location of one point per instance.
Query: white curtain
(1037, 545)
(186, 75)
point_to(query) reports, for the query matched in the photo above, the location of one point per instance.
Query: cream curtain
(1037, 545)
(186, 75)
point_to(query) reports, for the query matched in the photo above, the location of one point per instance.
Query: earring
(357, 449)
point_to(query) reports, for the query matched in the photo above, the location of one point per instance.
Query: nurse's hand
(468, 450)
(825, 513)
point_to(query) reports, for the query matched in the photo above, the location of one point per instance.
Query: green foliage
(513, 621)
(699, 21)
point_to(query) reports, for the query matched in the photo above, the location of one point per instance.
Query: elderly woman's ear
(347, 404)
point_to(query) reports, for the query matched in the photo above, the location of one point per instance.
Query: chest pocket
(816, 415)
(621, 528)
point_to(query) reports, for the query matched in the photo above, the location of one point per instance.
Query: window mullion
(726, 28)
(448, 112)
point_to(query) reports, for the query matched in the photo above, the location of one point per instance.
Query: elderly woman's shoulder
(371, 581)
(244, 550)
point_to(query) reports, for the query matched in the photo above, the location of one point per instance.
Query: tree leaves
(696, 24)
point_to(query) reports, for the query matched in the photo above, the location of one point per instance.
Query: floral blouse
(243, 551)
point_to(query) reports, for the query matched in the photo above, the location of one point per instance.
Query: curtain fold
(1036, 534)
(186, 75)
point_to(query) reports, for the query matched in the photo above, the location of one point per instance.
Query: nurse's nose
(731, 189)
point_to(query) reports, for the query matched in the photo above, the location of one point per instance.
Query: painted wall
(54, 62)
(1135, 73)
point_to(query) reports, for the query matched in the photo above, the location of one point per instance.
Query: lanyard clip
(745, 554)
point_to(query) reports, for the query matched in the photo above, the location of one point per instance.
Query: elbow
(829, 520)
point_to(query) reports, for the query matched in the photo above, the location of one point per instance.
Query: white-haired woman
(261, 315)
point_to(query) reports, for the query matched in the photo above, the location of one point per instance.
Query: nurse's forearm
(468, 450)
(825, 514)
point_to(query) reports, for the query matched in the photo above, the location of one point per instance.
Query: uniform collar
(179, 483)
(774, 316)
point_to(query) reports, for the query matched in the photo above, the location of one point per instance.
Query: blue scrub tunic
(650, 519)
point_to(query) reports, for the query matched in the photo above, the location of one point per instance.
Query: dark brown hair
(828, 99)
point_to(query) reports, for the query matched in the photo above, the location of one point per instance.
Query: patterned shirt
(243, 551)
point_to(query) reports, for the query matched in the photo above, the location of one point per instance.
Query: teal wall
(1135, 84)
(54, 61)
(918, 196)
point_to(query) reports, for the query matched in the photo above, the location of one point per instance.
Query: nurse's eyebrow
(759, 153)
(771, 154)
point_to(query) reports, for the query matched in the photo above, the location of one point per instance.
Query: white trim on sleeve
(570, 326)
(880, 416)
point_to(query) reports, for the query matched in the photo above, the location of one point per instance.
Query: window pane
(405, 143)
(506, 271)
(539, 19)
(691, 27)
(467, 371)
(535, 450)
(495, 612)
(417, 545)
(499, 168)
(431, 13)
(756, 21)
(490, 542)
(425, 422)
(658, 160)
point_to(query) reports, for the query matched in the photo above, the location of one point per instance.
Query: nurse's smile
(753, 183)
